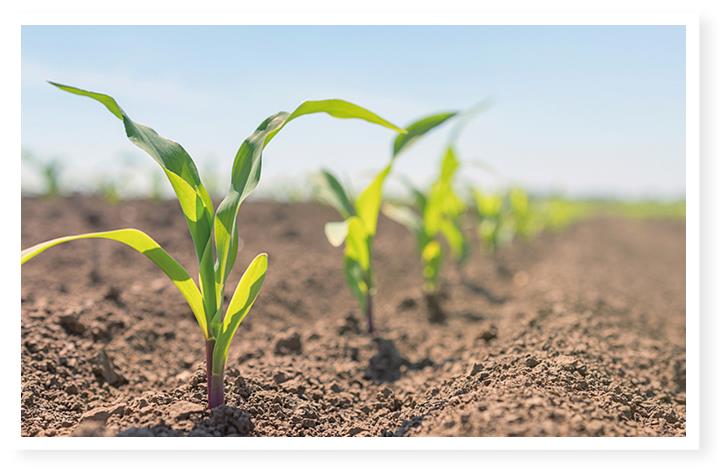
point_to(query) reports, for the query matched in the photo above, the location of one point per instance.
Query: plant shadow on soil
(585, 336)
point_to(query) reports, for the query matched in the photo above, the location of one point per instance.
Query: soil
(580, 333)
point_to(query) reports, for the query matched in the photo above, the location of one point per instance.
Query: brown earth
(576, 334)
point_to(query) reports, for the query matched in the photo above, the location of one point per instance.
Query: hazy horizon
(582, 110)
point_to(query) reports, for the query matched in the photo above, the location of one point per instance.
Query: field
(580, 333)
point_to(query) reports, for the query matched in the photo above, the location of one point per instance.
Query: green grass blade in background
(142, 243)
(184, 178)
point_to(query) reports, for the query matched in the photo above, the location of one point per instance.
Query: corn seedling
(438, 212)
(214, 232)
(521, 213)
(493, 231)
(559, 213)
(435, 213)
(360, 216)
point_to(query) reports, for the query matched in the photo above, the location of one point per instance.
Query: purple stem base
(215, 382)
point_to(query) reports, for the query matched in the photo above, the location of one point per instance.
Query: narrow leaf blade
(142, 243)
(246, 292)
(248, 162)
(330, 191)
(417, 129)
(183, 176)
(369, 201)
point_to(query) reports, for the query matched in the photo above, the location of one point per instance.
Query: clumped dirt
(576, 334)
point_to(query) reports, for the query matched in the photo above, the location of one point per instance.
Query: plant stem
(217, 391)
(435, 314)
(215, 383)
(370, 314)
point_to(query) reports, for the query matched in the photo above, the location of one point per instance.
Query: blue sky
(581, 110)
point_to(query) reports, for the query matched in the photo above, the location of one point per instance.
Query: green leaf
(431, 259)
(442, 202)
(417, 129)
(140, 242)
(330, 191)
(456, 240)
(448, 165)
(341, 110)
(185, 180)
(247, 170)
(419, 196)
(357, 243)
(488, 205)
(243, 298)
(357, 265)
(370, 201)
(356, 279)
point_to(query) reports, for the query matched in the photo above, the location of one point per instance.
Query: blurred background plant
(47, 170)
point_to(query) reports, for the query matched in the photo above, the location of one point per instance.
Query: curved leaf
(330, 190)
(417, 129)
(357, 243)
(247, 169)
(488, 205)
(185, 180)
(341, 110)
(431, 259)
(419, 196)
(370, 201)
(243, 298)
(456, 240)
(142, 243)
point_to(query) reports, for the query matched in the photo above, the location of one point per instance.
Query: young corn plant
(361, 214)
(493, 231)
(438, 212)
(522, 214)
(214, 232)
(435, 213)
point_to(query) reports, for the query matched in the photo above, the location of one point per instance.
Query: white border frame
(403, 17)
